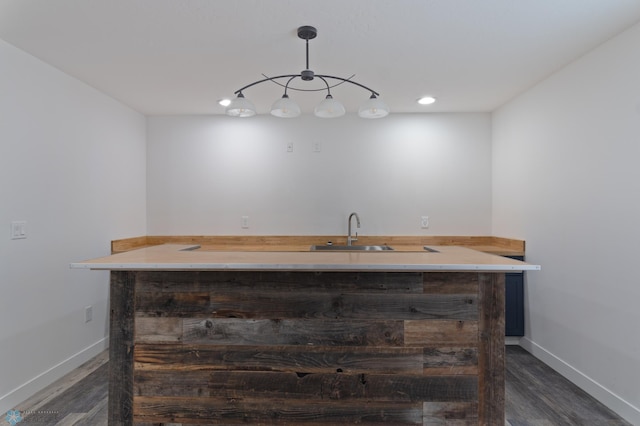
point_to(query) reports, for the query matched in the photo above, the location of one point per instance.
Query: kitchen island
(306, 338)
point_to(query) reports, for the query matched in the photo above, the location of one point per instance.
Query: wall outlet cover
(424, 222)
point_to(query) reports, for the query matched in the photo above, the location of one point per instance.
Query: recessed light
(224, 102)
(426, 100)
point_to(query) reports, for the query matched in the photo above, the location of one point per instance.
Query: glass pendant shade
(329, 108)
(373, 108)
(240, 107)
(285, 108)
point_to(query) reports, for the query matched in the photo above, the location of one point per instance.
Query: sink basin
(349, 248)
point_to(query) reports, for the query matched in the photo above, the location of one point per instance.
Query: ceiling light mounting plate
(307, 32)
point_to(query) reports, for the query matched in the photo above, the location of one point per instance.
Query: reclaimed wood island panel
(306, 338)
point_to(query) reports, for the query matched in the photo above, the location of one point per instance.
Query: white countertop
(175, 257)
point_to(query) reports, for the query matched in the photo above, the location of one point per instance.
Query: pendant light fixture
(285, 107)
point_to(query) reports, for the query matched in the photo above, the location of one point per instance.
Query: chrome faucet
(350, 239)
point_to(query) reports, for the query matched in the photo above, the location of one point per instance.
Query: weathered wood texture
(491, 349)
(121, 345)
(535, 395)
(315, 348)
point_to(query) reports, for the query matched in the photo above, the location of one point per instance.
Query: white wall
(567, 180)
(204, 173)
(72, 164)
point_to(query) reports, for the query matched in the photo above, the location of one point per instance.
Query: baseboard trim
(13, 398)
(512, 340)
(619, 405)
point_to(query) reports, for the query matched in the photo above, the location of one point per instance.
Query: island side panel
(491, 368)
(329, 347)
(121, 344)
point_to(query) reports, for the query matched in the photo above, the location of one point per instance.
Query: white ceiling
(181, 56)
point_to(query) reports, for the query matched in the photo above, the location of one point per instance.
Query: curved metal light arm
(297, 89)
(346, 80)
(291, 76)
(321, 76)
(287, 85)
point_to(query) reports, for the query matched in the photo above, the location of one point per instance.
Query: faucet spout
(351, 239)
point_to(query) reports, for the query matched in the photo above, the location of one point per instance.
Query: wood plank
(127, 244)
(442, 360)
(95, 415)
(451, 413)
(260, 304)
(255, 412)
(509, 244)
(177, 304)
(536, 394)
(232, 331)
(314, 359)
(443, 332)
(65, 407)
(281, 281)
(121, 319)
(165, 329)
(191, 383)
(64, 386)
(491, 349)
(341, 386)
(451, 283)
(249, 385)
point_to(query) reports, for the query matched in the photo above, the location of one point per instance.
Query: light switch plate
(424, 222)
(18, 230)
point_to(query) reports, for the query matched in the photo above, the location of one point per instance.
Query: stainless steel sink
(349, 248)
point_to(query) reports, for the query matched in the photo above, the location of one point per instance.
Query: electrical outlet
(424, 222)
(244, 222)
(88, 313)
(317, 146)
(289, 146)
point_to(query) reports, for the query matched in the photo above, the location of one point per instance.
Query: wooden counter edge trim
(489, 244)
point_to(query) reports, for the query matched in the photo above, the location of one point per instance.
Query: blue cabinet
(514, 302)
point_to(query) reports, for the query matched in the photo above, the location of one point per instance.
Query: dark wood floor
(536, 396)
